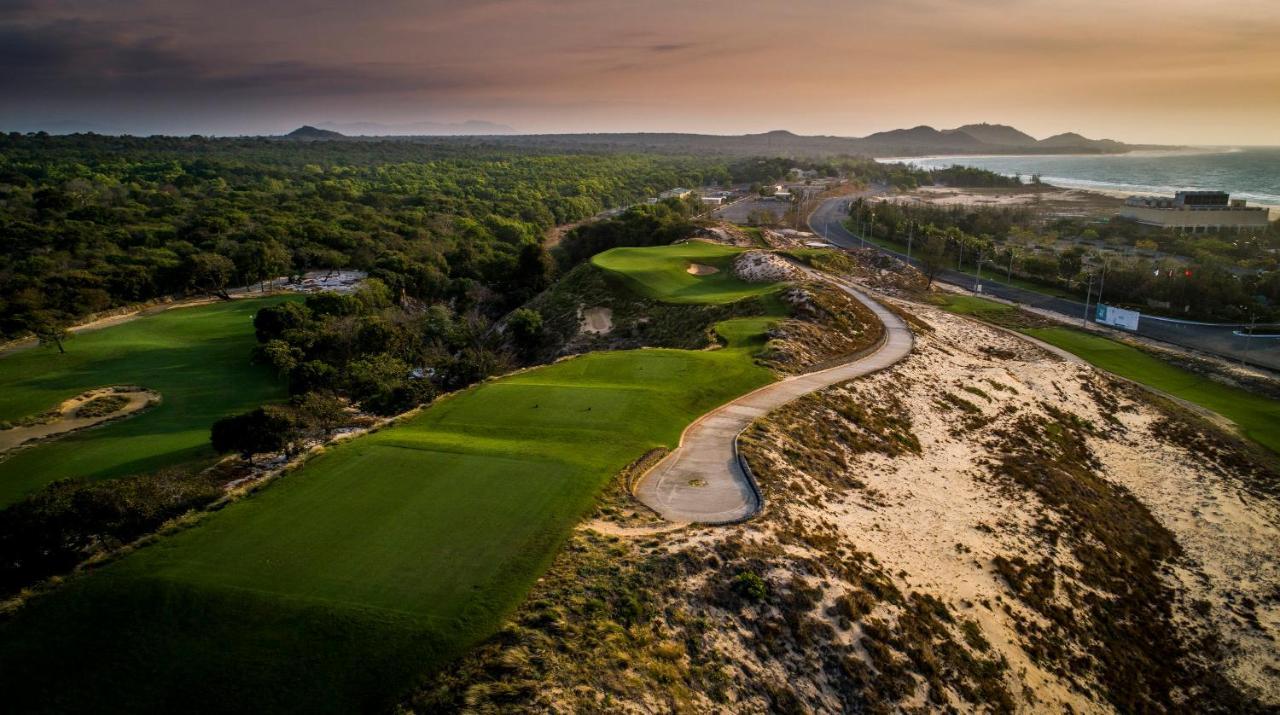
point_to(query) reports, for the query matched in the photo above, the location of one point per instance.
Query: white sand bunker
(699, 269)
(597, 320)
(80, 412)
(763, 267)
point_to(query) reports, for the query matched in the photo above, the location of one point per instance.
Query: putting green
(662, 273)
(1258, 417)
(386, 556)
(198, 360)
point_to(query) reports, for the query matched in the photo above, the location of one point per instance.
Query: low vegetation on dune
(1257, 415)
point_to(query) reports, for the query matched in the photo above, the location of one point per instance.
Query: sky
(1143, 71)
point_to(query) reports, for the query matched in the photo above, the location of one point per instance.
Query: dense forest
(90, 223)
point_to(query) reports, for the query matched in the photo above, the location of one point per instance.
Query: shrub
(750, 587)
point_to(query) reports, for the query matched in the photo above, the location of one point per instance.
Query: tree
(266, 429)
(50, 329)
(933, 257)
(319, 414)
(258, 261)
(211, 273)
(271, 322)
(525, 326)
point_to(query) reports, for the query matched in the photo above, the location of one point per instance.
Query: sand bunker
(597, 320)
(698, 269)
(63, 419)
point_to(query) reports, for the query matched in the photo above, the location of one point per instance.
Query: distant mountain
(998, 134)
(310, 133)
(471, 127)
(916, 141)
(1072, 142)
(921, 139)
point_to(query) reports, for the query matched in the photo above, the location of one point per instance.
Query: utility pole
(977, 286)
(1248, 338)
(1009, 276)
(1102, 282)
(910, 233)
(1087, 296)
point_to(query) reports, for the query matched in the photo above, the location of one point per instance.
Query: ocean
(1252, 174)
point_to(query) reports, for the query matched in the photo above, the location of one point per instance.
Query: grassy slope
(330, 590)
(190, 355)
(663, 274)
(1258, 417)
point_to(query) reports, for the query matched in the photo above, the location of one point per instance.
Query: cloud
(76, 57)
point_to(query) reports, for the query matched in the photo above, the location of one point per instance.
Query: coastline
(1110, 189)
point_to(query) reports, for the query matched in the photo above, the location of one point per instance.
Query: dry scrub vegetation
(983, 527)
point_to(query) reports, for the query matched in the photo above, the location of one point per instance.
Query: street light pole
(977, 286)
(910, 233)
(1088, 294)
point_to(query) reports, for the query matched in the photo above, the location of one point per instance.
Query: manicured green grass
(1258, 417)
(196, 358)
(381, 559)
(662, 273)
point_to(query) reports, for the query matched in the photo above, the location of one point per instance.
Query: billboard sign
(1118, 317)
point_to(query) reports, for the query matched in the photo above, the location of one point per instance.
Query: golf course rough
(386, 556)
(196, 358)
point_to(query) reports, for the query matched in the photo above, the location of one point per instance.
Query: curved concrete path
(703, 480)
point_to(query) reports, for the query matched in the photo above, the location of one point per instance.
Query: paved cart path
(703, 481)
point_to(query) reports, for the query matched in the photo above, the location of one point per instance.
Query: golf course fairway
(197, 358)
(333, 588)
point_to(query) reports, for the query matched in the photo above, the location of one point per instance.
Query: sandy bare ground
(67, 421)
(937, 522)
(597, 321)
(699, 269)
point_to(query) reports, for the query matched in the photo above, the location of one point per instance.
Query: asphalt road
(1229, 341)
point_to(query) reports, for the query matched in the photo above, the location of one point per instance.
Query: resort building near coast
(1195, 211)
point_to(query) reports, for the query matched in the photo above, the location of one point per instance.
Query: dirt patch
(85, 410)
(700, 269)
(597, 321)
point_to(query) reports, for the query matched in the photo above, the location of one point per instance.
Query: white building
(676, 193)
(1195, 211)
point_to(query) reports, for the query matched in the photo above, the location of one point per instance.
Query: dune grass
(385, 557)
(662, 274)
(198, 360)
(1258, 417)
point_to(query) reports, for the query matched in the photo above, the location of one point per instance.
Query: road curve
(703, 481)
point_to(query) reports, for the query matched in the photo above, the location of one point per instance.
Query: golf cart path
(703, 480)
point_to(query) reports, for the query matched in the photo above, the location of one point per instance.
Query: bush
(51, 531)
(750, 587)
(266, 429)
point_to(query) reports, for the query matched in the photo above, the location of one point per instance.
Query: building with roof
(1196, 211)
